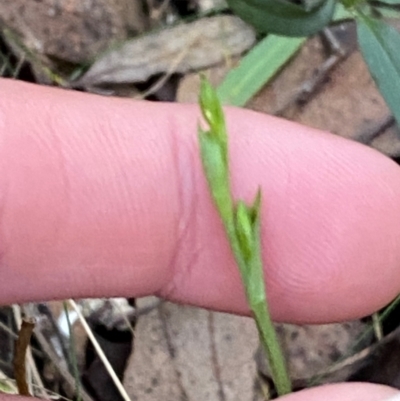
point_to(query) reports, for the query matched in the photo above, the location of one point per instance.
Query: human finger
(104, 197)
(345, 392)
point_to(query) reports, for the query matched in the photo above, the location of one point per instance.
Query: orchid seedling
(242, 227)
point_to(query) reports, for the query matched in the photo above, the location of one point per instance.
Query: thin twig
(20, 354)
(100, 352)
(333, 42)
(8, 331)
(59, 363)
(42, 392)
(32, 372)
(375, 130)
(310, 86)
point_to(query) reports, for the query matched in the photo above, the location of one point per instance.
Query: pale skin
(106, 197)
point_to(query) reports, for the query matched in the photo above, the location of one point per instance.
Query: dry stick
(59, 364)
(307, 88)
(375, 130)
(42, 392)
(13, 335)
(21, 346)
(18, 320)
(8, 331)
(100, 352)
(333, 42)
(33, 370)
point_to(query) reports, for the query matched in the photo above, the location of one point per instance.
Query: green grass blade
(380, 46)
(283, 17)
(262, 63)
(257, 68)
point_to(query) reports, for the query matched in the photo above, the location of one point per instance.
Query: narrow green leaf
(7, 386)
(257, 68)
(391, 2)
(380, 46)
(212, 111)
(262, 63)
(255, 208)
(282, 17)
(388, 12)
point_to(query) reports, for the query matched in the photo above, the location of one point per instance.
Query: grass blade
(257, 68)
(380, 44)
(283, 17)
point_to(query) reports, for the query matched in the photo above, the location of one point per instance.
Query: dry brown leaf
(193, 354)
(180, 49)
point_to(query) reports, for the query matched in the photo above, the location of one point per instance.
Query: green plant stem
(252, 274)
(242, 227)
(270, 343)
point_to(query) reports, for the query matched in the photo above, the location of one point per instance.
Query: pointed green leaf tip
(212, 111)
(214, 150)
(246, 221)
(244, 229)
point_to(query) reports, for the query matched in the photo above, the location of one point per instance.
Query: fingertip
(329, 224)
(345, 392)
(108, 197)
